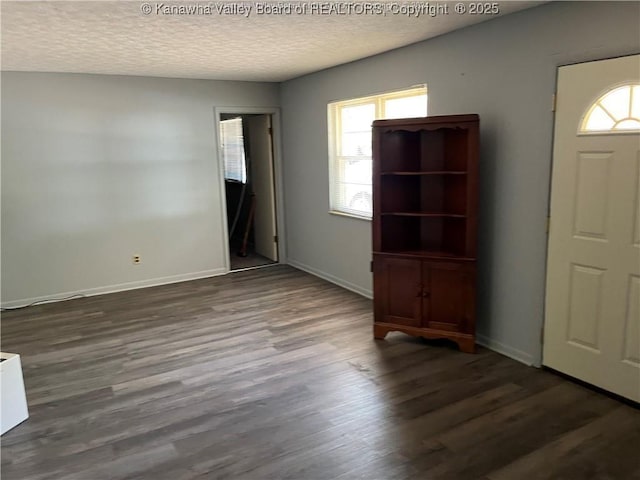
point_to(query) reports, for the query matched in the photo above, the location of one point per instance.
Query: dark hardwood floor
(274, 374)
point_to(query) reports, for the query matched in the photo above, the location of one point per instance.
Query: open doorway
(246, 141)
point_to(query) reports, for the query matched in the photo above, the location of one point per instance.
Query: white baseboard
(505, 350)
(487, 342)
(331, 278)
(121, 287)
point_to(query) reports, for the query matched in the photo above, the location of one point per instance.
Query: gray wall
(98, 168)
(504, 70)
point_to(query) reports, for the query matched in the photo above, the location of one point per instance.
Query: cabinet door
(397, 288)
(448, 301)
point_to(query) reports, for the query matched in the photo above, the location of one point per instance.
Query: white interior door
(592, 314)
(261, 153)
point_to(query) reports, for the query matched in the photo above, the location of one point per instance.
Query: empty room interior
(320, 240)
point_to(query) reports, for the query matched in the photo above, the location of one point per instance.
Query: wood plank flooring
(274, 374)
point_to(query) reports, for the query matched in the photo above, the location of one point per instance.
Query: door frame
(277, 175)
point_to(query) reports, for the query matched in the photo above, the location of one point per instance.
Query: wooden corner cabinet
(425, 191)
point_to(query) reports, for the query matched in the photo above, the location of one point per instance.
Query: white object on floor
(13, 401)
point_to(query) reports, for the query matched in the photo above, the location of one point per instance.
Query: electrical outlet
(136, 259)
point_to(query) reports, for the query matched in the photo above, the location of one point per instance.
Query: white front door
(592, 312)
(261, 151)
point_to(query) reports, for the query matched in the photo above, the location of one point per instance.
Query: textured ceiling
(118, 38)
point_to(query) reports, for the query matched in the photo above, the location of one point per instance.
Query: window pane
(357, 172)
(358, 118)
(357, 199)
(406, 107)
(356, 144)
(617, 102)
(233, 150)
(635, 107)
(599, 120)
(629, 124)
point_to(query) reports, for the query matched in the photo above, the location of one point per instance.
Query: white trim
(121, 287)
(350, 215)
(591, 133)
(401, 92)
(277, 166)
(506, 350)
(221, 189)
(331, 278)
(255, 267)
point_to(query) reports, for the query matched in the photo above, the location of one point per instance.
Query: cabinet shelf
(423, 194)
(423, 232)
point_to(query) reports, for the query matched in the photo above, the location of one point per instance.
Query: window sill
(349, 215)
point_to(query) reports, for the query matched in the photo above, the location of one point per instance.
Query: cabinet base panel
(466, 343)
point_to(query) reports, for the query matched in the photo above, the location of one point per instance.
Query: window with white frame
(350, 157)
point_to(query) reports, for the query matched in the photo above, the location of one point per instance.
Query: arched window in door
(617, 111)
